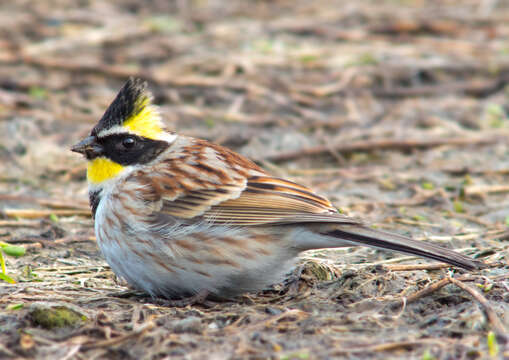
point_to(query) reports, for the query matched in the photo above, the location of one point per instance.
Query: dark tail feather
(380, 239)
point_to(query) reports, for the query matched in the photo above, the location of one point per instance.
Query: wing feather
(198, 180)
(261, 200)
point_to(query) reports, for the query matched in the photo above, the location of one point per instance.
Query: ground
(395, 110)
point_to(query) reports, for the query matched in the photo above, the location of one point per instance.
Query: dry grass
(398, 111)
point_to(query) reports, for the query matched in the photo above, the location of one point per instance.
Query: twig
(116, 71)
(106, 343)
(412, 267)
(71, 239)
(492, 316)
(471, 218)
(417, 223)
(123, 72)
(421, 293)
(19, 223)
(95, 37)
(39, 242)
(36, 213)
(73, 269)
(389, 346)
(426, 291)
(383, 144)
(490, 313)
(481, 88)
(55, 204)
(485, 189)
(418, 26)
(35, 245)
(404, 344)
(71, 352)
(5, 350)
(268, 322)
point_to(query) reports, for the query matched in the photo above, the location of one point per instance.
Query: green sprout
(16, 306)
(458, 206)
(427, 356)
(427, 185)
(492, 344)
(37, 92)
(9, 250)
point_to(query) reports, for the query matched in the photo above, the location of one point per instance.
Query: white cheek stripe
(168, 137)
(117, 129)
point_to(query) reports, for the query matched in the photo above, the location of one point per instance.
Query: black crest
(129, 102)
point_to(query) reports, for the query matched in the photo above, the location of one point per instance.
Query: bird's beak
(88, 147)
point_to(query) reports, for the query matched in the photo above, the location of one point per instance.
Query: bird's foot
(199, 298)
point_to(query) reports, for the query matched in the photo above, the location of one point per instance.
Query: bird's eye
(128, 142)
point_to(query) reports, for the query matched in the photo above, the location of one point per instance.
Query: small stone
(191, 324)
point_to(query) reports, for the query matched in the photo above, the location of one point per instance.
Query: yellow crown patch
(145, 120)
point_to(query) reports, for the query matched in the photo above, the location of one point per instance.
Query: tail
(361, 235)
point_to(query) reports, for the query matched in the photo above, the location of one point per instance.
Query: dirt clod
(55, 316)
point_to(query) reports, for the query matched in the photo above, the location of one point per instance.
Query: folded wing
(262, 200)
(265, 200)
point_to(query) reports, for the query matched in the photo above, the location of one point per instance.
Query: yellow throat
(102, 169)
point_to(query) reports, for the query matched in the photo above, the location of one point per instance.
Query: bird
(181, 218)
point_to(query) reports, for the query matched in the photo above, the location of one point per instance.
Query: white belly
(180, 260)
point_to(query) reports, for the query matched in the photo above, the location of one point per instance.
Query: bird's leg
(200, 298)
(293, 280)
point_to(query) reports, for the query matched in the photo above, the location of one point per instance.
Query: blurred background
(397, 110)
(391, 94)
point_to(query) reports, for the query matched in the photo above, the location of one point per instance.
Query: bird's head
(129, 133)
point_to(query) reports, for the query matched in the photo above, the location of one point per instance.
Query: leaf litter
(397, 111)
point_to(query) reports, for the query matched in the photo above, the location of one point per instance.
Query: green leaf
(14, 306)
(7, 278)
(458, 206)
(467, 180)
(302, 355)
(37, 92)
(419, 218)
(387, 184)
(164, 24)
(28, 273)
(13, 250)
(209, 122)
(2, 262)
(426, 185)
(491, 340)
(496, 115)
(427, 356)
(308, 58)
(363, 60)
